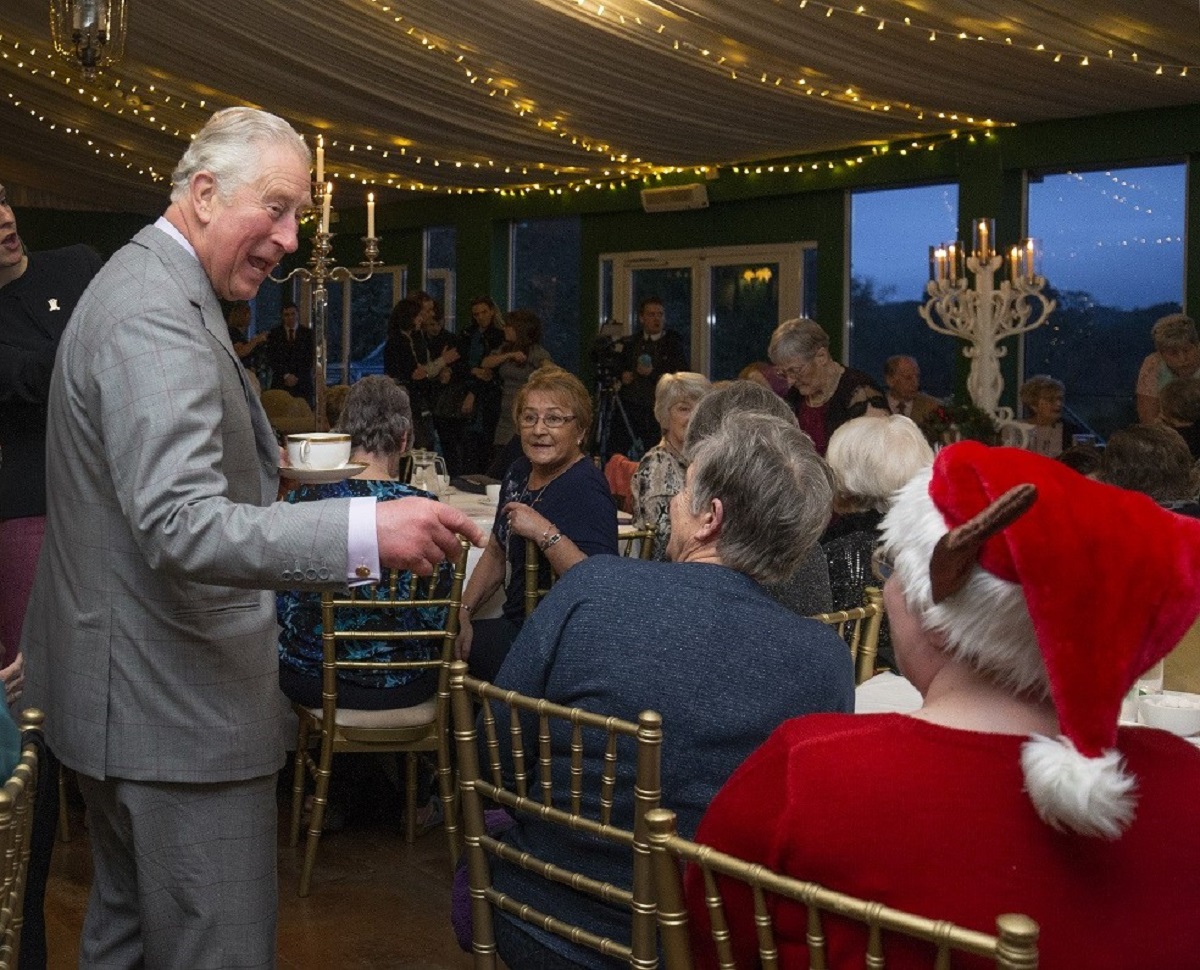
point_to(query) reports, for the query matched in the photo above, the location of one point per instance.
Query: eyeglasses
(796, 371)
(882, 563)
(529, 419)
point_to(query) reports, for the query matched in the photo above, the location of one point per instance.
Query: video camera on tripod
(608, 354)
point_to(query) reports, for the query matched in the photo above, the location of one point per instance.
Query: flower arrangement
(960, 422)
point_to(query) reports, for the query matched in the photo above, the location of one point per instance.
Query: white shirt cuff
(362, 543)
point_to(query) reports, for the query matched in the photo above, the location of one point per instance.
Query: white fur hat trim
(1090, 796)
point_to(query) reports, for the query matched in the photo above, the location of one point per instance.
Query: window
(544, 278)
(440, 264)
(890, 235)
(1112, 254)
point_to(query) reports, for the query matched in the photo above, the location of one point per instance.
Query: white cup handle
(305, 449)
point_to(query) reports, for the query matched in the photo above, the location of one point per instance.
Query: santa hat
(1111, 582)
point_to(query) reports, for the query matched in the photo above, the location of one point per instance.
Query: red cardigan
(935, 821)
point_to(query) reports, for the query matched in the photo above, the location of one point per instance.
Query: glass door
(725, 302)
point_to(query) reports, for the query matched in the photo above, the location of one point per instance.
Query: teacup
(1177, 713)
(493, 493)
(318, 449)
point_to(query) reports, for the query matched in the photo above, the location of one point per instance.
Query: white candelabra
(322, 270)
(985, 314)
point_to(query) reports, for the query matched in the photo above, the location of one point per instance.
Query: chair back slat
(637, 543)
(16, 827)
(859, 627)
(562, 794)
(1013, 947)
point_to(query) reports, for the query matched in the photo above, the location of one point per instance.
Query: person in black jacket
(651, 352)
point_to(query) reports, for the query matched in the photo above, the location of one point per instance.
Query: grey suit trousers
(185, 875)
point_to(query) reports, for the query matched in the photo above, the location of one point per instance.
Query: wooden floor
(375, 901)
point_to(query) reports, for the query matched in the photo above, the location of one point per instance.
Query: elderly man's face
(248, 233)
(905, 380)
(1182, 361)
(12, 252)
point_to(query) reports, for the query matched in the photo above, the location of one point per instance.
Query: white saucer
(321, 476)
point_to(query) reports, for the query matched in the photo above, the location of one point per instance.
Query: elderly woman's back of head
(734, 397)
(872, 457)
(377, 416)
(775, 492)
(1152, 459)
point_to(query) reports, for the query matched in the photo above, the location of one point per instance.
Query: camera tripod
(608, 405)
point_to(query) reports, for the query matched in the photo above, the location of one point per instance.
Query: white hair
(230, 147)
(873, 456)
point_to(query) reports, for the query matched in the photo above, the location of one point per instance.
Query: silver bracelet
(548, 540)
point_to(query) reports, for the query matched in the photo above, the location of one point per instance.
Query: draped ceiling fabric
(421, 96)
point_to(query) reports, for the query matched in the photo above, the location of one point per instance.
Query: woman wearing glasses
(554, 495)
(824, 394)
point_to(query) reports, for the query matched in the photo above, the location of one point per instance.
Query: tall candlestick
(370, 213)
(1029, 260)
(326, 200)
(320, 158)
(1014, 264)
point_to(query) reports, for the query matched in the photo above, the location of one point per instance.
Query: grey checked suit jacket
(150, 639)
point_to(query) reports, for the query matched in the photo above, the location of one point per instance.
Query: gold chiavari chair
(534, 591)
(407, 730)
(859, 627)
(1014, 947)
(529, 790)
(16, 823)
(637, 543)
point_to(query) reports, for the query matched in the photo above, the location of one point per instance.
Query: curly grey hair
(377, 416)
(230, 146)
(776, 493)
(733, 397)
(1173, 331)
(872, 457)
(1040, 384)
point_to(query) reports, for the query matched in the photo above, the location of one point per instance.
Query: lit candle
(952, 261)
(371, 214)
(320, 158)
(1014, 264)
(983, 248)
(325, 203)
(1029, 259)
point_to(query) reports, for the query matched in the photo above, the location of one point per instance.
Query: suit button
(286, 574)
(310, 574)
(323, 573)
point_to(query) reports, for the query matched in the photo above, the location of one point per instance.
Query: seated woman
(659, 474)
(871, 458)
(1180, 404)
(1176, 355)
(554, 495)
(378, 419)
(1042, 397)
(1011, 789)
(1154, 460)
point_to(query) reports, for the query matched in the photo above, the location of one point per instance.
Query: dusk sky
(1116, 234)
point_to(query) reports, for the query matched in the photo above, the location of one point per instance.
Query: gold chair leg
(410, 797)
(64, 823)
(298, 783)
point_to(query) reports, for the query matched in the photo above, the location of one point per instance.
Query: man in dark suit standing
(150, 639)
(290, 354)
(651, 352)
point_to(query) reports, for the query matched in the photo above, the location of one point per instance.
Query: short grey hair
(873, 456)
(1033, 389)
(733, 397)
(776, 493)
(684, 385)
(230, 146)
(801, 337)
(1173, 331)
(377, 416)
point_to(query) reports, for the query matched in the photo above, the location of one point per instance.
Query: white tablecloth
(483, 513)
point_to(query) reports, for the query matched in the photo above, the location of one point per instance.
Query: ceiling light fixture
(90, 33)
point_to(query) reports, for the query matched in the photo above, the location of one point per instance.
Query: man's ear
(202, 193)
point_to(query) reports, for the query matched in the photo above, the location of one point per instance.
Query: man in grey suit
(902, 375)
(150, 635)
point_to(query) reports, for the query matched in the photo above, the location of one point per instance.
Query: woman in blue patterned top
(378, 418)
